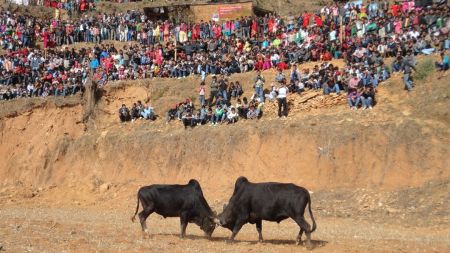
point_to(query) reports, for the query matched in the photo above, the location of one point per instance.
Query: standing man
(282, 100)
(214, 90)
(259, 85)
(407, 68)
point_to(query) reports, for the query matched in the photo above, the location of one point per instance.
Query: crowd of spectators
(71, 6)
(216, 111)
(362, 34)
(27, 73)
(137, 111)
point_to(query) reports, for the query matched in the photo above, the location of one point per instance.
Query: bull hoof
(260, 240)
(230, 241)
(299, 242)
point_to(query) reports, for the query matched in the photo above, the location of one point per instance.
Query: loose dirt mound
(307, 102)
(41, 12)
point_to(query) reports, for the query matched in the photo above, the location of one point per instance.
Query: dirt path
(25, 229)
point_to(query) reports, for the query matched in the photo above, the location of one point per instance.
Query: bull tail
(314, 226)
(133, 218)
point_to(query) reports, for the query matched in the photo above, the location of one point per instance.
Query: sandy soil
(105, 230)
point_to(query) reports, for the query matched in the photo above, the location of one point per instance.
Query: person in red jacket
(45, 38)
(282, 66)
(83, 5)
(306, 16)
(318, 20)
(326, 56)
(259, 62)
(254, 28)
(396, 9)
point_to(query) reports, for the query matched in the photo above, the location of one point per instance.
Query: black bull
(184, 201)
(255, 202)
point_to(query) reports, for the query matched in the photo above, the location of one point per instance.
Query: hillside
(389, 165)
(330, 137)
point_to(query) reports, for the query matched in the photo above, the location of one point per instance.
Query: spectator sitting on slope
(443, 65)
(148, 112)
(124, 113)
(252, 112)
(232, 116)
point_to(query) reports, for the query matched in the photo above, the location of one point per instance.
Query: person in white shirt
(413, 33)
(382, 48)
(275, 58)
(282, 100)
(332, 35)
(272, 94)
(232, 116)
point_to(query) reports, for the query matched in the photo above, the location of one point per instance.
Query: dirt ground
(60, 219)
(39, 229)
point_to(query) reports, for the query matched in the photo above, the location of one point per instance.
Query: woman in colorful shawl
(45, 38)
(254, 28)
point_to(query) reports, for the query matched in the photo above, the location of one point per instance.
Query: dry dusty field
(28, 229)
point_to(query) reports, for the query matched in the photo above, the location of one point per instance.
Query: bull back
(269, 201)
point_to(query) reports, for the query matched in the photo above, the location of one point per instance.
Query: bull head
(208, 225)
(217, 221)
(227, 218)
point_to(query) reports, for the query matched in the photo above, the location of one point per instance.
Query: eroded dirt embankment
(48, 146)
(402, 142)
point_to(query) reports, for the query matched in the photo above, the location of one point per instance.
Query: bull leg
(299, 236)
(259, 229)
(236, 229)
(143, 215)
(308, 241)
(304, 225)
(183, 224)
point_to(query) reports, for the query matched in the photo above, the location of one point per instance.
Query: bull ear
(214, 213)
(224, 206)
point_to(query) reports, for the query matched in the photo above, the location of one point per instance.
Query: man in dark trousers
(214, 90)
(282, 100)
(124, 113)
(188, 119)
(407, 66)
